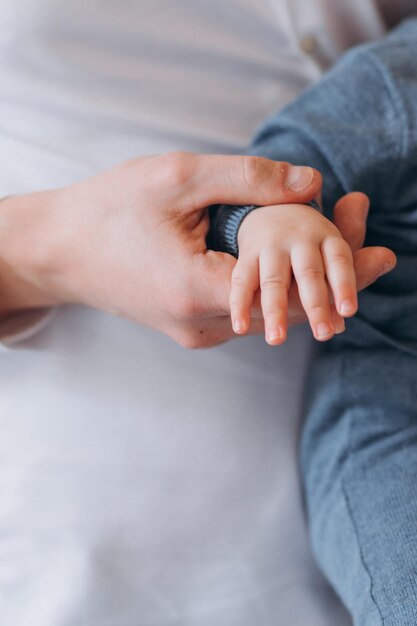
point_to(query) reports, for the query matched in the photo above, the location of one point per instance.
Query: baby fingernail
(273, 335)
(323, 331)
(238, 326)
(347, 307)
(298, 177)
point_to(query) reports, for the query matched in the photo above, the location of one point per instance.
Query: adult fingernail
(299, 178)
(387, 267)
(365, 209)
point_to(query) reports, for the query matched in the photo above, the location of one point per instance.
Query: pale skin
(282, 244)
(132, 241)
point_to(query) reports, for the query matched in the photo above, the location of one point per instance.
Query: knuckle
(237, 309)
(334, 241)
(333, 236)
(239, 305)
(341, 259)
(177, 168)
(239, 279)
(237, 300)
(274, 282)
(255, 170)
(273, 315)
(311, 273)
(316, 309)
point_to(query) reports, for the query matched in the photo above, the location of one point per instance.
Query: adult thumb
(240, 180)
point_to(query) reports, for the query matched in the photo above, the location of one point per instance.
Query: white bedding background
(141, 484)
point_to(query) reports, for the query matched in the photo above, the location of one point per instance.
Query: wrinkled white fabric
(141, 484)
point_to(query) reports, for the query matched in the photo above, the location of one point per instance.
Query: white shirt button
(309, 44)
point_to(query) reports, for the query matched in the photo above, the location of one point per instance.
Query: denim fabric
(359, 444)
(359, 441)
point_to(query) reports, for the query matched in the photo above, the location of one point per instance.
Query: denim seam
(352, 517)
(362, 557)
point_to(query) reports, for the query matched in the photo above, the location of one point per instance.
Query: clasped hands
(132, 241)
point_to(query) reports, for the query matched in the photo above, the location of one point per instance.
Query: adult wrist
(29, 253)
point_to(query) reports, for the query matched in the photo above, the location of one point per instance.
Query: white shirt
(142, 484)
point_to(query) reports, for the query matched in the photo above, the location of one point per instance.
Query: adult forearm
(131, 241)
(29, 256)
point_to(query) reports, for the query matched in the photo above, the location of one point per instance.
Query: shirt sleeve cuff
(225, 221)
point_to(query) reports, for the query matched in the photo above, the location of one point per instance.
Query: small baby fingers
(245, 282)
(275, 280)
(308, 268)
(338, 262)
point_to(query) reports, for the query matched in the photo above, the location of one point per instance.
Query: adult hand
(131, 241)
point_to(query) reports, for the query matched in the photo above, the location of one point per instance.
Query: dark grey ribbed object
(225, 221)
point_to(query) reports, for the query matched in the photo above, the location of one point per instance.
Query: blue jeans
(359, 451)
(359, 441)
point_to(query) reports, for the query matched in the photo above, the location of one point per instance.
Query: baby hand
(274, 240)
